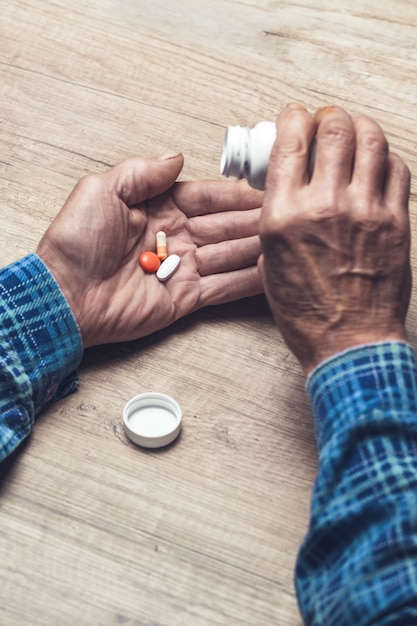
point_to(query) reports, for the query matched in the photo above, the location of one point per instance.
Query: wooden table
(96, 531)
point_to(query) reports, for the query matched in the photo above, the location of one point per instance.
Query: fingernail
(169, 155)
(295, 106)
(325, 111)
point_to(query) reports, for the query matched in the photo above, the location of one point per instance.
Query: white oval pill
(168, 267)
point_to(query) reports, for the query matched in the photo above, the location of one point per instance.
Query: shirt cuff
(38, 330)
(360, 385)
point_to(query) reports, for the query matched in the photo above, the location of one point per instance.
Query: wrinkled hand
(93, 245)
(335, 261)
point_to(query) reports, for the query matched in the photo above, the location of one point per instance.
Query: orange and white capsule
(161, 245)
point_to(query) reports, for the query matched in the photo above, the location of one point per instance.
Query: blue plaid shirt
(40, 347)
(358, 562)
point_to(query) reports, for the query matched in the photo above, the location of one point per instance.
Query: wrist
(70, 287)
(362, 373)
(340, 342)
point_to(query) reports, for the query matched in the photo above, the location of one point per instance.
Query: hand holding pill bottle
(335, 262)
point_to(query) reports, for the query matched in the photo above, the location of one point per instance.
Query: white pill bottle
(246, 152)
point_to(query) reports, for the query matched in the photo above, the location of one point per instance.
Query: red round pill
(149, 261)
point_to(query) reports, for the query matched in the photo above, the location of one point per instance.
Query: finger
(335, 148)
(224, 226)
(229, 286)
(213, 196)
(137, 179)
(397, 185)
(371, 156)
(288, 165)
(228, 256)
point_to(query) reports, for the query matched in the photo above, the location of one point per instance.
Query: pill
(149, 261)
(161, 245)
(168, 267)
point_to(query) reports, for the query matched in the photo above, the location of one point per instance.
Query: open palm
(92, 247)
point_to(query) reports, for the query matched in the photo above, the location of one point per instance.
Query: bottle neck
(246, 152)
(235, 151)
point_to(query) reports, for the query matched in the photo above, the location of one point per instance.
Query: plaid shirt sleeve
(358, 563)
(40, 347)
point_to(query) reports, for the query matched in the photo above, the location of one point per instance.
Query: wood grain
(204, 533)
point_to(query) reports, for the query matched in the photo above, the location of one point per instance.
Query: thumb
(138, 179)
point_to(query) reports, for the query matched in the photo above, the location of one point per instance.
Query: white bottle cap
(152, 420)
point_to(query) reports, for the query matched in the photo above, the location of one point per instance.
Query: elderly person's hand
(93, 246)
(335, 261)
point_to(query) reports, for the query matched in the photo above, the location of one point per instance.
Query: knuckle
(399, 168)
(124, 186)
(337, 134)
(368, 222)
(275, 222)
(90, 182)
(372, 221)
(270, 225)
(291, 145)
(374, 141)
